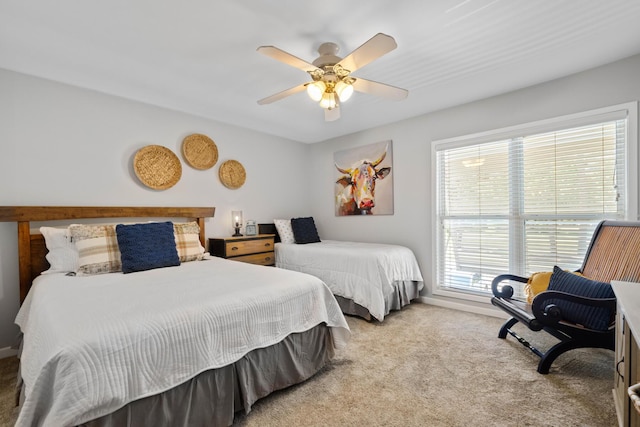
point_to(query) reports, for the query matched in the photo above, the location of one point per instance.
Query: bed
(186, 344)
(369, 280)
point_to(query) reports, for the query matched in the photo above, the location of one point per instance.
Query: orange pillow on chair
(539, 282)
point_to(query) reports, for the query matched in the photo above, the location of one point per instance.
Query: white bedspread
(362, 272)
(93, 344)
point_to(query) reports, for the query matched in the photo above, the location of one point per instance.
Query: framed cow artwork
(364, 180)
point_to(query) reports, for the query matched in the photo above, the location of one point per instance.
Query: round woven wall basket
(232, 174)
(199, 151)
(157, 167)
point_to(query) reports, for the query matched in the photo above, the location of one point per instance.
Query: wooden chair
(613, 254)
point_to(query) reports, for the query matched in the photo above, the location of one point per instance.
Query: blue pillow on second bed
(304, 230)
(147, 246)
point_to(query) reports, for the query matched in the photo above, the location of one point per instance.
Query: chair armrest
(551, 314)
(507, 290)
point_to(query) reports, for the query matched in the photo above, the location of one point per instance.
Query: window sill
(463, 295)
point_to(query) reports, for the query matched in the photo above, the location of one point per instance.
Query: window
(524, 199)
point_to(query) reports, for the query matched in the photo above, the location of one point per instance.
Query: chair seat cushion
(598, 318)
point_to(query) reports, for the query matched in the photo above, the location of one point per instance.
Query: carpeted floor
(431, 366)
(8, 411)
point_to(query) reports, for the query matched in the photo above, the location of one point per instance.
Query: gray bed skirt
(403, 293)
(213, 397)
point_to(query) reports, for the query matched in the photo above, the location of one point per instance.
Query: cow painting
(356, 188)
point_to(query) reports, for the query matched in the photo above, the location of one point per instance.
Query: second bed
(368, 279)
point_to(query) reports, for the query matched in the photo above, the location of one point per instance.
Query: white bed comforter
(93, 344)
(362, 272)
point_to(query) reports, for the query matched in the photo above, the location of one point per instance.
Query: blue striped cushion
(597, 318)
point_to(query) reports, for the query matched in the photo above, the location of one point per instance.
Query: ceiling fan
(332, 82)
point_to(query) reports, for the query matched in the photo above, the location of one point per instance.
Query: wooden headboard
(32, 249)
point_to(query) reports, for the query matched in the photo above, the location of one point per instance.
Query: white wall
(411, 224)
(62, 145)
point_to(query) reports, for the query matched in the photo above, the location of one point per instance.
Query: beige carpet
(8, 412)
(431, 366)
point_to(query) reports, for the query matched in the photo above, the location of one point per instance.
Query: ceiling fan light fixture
(316, 90)
(331, 82)
(329, 101)
(344, 90)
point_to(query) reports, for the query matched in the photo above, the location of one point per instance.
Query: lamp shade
(236, 218)
(328, 100)
(344, 90)
(315, 90)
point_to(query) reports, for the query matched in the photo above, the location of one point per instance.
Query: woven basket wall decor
(232, 174)
(157, 167)
(199, 151)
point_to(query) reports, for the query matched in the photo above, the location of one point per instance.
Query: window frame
(541, 126)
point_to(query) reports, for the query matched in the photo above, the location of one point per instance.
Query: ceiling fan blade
(278, 96)
(380, 89)
(331, 115)
(372, 49)
(287, 58)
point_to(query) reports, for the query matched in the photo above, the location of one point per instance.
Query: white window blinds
(527, 202)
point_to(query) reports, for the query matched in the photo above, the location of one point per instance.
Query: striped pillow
(598, 318)
(188, 241)
(97, 246)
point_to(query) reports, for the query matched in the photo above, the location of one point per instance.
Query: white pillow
(62, 255)
(284, 230)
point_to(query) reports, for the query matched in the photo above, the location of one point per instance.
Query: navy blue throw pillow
(304, 230)
(590, 317)
(147, 246)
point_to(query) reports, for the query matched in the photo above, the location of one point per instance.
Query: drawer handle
(267, 258)
(235, 248)
(267, 244)
(633, 394)
(618, 369)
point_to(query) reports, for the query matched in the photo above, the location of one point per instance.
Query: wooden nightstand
(252, 249)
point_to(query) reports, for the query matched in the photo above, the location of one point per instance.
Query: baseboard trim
(8, 352)
(488, 311)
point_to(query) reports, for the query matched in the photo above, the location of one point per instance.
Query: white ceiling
(199, 56)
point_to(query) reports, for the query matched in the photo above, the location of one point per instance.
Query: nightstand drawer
(236, 248)
(265, 258)
(252, 249)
